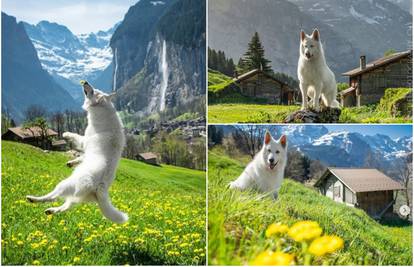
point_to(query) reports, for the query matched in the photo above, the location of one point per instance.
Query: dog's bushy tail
(110, 212)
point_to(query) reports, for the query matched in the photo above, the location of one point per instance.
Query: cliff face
(170, 71)
(24, 81)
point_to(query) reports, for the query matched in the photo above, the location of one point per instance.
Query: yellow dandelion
(276, 228)
(304, 230)
(326, 244)
(36, 262)
(20, 243)
(76, 259)
(35, 245)
(65, 248)
(274, 258)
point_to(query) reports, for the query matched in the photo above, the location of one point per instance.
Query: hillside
(237, 222)
(166, 206)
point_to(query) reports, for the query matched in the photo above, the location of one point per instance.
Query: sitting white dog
(102, 145)
(267, 169)
(316, 80)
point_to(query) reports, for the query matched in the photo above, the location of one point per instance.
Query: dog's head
(274, 151)
(310, 45)
(95, 97)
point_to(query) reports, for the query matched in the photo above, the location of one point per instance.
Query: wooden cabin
(149, 158)
(367, 189)
(368, 82)
(259, 84)
(31, 136)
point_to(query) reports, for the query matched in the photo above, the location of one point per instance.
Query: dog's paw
(67, 135)
(70, 163)
(50, 211)
(30, 199)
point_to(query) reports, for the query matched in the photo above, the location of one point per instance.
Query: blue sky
(80, 16)
(394, 131)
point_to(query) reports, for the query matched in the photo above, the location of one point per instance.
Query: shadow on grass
(395, 221)
(134, 255)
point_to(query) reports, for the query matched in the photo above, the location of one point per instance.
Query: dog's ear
(267, 138)
(283, 141)
(315, 35)
(302, 35)
(111, 96)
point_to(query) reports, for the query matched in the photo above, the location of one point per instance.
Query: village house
(367, 189)
(148, 157)
(258, 84)
(368, 82)
(33, 136)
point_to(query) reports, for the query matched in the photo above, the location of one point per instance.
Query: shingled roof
(148, 155)
(31, 132)
(362, 179)
(251, 73)
(378, 63)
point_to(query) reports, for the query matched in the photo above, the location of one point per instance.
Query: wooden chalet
(259, 84)
(149, 158)
(33, 136)
(368, 82)
(367, 189)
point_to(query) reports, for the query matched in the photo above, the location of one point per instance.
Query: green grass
(237, 221)
(264, 113)
(166, 207)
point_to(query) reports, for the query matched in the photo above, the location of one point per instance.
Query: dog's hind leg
(64, 188)
(108, 210)
(66, 205)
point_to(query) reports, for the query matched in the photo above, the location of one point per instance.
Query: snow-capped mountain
(69, 57)
(346, 149)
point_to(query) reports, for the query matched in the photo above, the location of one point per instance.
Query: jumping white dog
(315, 78)
(267, 169)
(102, 146)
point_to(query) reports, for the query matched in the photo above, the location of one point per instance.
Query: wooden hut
(367, 189)
(259, 84)
(32, 136)
(148, 157)
(368, 82)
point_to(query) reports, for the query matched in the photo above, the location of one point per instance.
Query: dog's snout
(307, 54)
(271, 160)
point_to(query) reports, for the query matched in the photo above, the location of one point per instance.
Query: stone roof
(30, 132)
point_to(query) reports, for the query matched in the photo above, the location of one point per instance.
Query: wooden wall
(261, 86)
(373, 83)
(374, 202)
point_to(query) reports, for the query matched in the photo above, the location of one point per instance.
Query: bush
(393, 102)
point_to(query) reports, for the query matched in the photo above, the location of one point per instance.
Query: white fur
(315, 78)
(258, 173)
(102, 146)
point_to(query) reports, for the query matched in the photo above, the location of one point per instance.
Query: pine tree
(254, 58)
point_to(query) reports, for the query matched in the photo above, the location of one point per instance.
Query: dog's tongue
(272, 166)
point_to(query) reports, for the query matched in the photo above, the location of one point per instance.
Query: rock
(327, 115)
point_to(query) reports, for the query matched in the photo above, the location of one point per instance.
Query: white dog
(267, 169)
(102, 145)
(315, 77)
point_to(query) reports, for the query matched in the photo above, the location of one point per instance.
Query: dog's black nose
(271, 160)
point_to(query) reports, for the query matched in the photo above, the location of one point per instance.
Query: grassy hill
(166, 207)
(237, 222)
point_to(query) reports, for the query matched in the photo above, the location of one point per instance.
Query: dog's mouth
(273, 165)
(308, 56)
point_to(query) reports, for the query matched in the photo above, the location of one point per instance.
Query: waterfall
(115, 69)
(163, 67)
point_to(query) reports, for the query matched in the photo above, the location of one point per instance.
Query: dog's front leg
(75, 161)
(76, 139)
(275, 195)
(304, 91)
(316, 97)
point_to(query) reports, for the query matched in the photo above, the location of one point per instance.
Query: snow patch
(360, 16)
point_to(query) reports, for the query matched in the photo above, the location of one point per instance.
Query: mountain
(24, 81)
(69, 57)
(159, 55)
(406, 5)
(348, 29)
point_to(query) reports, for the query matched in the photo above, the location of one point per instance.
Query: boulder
(326, 115)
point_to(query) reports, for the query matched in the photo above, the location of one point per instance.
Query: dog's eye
(311, 46)
(277, 151)
(269, 150)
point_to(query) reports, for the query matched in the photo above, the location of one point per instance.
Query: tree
(389, 52)
(41, 123)
(6, 122)
(406, 176)
(33, 112)
(58, 122)
(249, 138)
(254, 58)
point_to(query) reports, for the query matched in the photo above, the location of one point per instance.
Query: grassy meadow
(237, 223)
(166, 207)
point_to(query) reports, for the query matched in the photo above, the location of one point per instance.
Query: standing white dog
(315, 78)
(102, 145)
(267, 169)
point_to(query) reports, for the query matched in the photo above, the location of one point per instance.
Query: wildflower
(35, 245)
(326, 244)
(276, 228)
(65, 248)
(274, 258)
(304, 230)
(76, 259)
(20, 243)
(36, 262)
